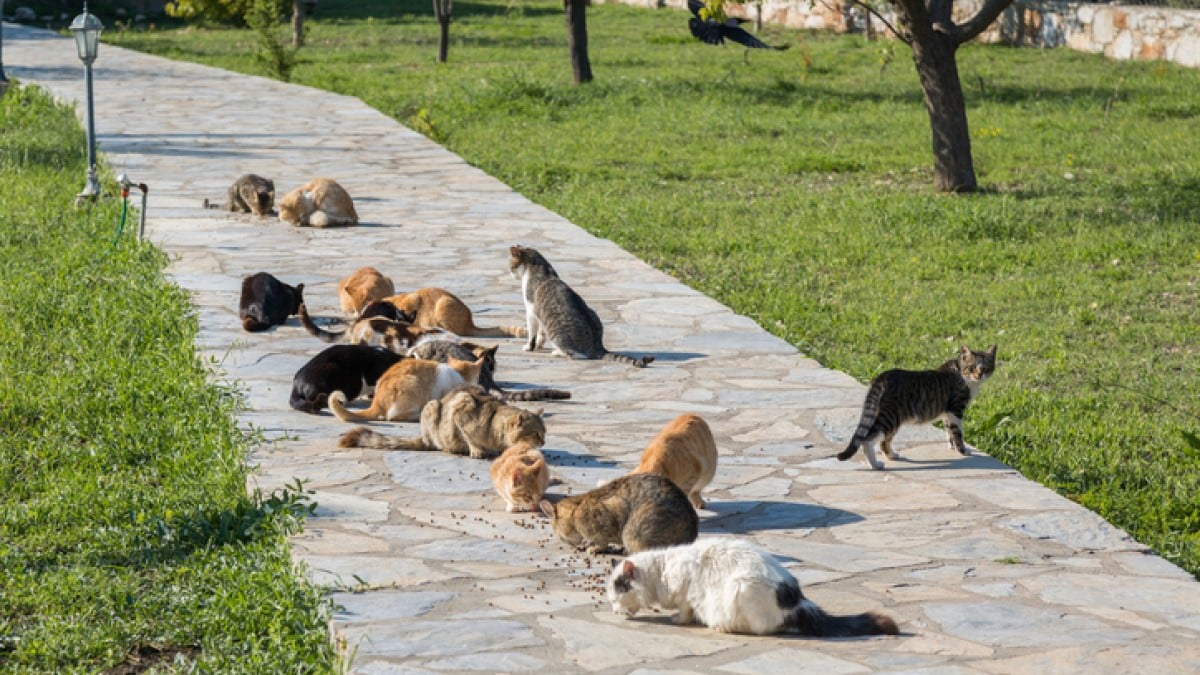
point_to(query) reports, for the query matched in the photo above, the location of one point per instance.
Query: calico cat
(250, 193)
(634, 513)
(439, 308)
(685, 452)
(406, 387)
(896, 397)
(361, 287)
(731, 586)
(374, 327)
(267, 301)
(321, 202)
(466, 421)
(351, 369)
(556, 313)
(440, 350)
(520, 476)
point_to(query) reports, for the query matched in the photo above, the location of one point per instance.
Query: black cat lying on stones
(352, 369)
(267, 301)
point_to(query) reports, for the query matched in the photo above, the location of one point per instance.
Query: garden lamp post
(86, 29)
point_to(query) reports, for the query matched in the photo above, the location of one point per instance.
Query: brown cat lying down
(321, 202)
(361, 287)
(406, 387)
(466, 421)
(634, 513)
(438, 308)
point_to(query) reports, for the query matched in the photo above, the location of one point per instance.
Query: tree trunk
(442, 9)
(576, 11)
(297, 23)
(954, 169)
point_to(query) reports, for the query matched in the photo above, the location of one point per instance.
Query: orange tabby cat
(685, 452)
(321, 202)
(363, 286)
(438, 308)
(521, 476)
(406, 387)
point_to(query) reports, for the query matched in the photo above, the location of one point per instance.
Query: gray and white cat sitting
(730, 586)
(556, 314)
(897, 397)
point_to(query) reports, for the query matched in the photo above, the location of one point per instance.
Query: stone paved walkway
(985, 571)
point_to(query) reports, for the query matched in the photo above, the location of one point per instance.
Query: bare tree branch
(871, 10)
(939, 12)
(984, 18)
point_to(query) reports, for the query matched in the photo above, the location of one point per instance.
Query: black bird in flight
(715, 32)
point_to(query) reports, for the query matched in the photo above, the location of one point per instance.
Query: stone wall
(1117, 31)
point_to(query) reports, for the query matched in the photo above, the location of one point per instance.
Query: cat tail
(499, 331)
(636, 362)
(212, 205)
(312, 405)
(337, 403)
(253, 321)
(808, 619)
(536, 395)
(315, 330)
(870, 412)
(363, 437)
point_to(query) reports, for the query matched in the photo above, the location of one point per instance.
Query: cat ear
(547, 508)
(628, 571)
(963, 350)
(516, 478)
(992, 351)
(514, 250)
(538, 412)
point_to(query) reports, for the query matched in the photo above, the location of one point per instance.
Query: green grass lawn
(795, 186)
(126, 534)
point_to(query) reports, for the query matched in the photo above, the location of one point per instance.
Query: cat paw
(527, 348)
(967, 450)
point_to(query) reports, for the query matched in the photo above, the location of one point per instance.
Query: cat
(896, 397)
(520, 476)
(361, 287)
(556, 313)
(375, 327)
(406, 387)
(351, 369)
(439, 308)
(267, 301)
(685, 452)
(440, 350)
(321, 202)
(250, 193)
(731, 586)
(466, 421)
(633, 513)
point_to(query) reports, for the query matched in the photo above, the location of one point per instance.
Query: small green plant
(274, 51)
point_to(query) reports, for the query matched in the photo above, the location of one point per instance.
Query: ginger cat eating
(406, 387)
(520, 476)
(364, 285)
(685, 452)
(439, 308)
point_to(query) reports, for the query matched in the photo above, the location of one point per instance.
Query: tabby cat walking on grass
(897, 397)
(555, 313)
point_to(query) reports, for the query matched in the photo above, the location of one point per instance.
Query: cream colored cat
(686, 453)
(361, 287)
(406, 387)
(321, 202)
(439, 308)
(521, 477)
(466, 421)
